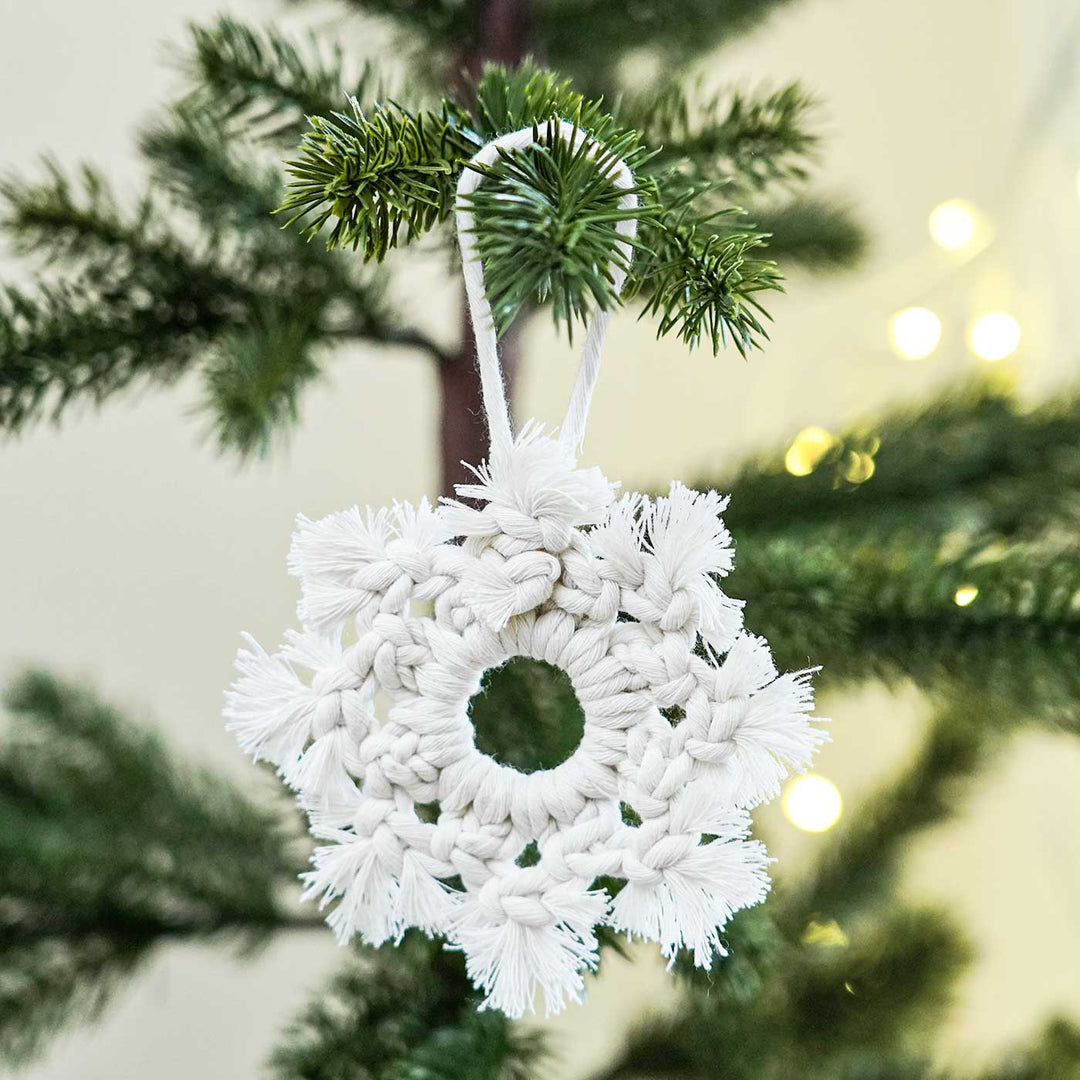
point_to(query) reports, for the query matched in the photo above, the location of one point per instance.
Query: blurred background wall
(131, 555)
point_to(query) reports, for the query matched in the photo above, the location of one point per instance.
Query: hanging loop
(572, 430)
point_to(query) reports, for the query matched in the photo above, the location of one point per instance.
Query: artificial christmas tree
(111, 847)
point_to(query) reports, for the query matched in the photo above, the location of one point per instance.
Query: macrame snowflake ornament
(365, 710)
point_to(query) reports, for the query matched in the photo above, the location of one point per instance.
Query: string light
(807, 450)
(952, 224)
(965, 595)
(829, 934)
(915, 333)
(994, 336)
(812, 803)
(857, 468)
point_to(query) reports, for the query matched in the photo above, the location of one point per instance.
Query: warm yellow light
(828, 934)
(915, 333)
(858, 468)
(807, 449)
(952, 224)
(965, 595)
(994, 336)
(812, 803)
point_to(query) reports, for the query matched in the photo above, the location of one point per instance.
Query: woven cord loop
(572, 431)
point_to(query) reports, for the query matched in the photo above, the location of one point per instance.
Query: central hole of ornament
(526, 715)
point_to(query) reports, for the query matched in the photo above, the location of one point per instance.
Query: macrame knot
(502, 588)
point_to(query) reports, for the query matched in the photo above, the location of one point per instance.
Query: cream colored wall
(131, 555)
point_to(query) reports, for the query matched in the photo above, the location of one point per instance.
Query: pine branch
(812, 233)
(969, 455)
(883, 604)
(404, 1011)
(80, 223)
(559, 207)
(859, 867)
(381, 179)
(586, 37)
(818, 1013)
(880, 996)
(1055, 1055)
(74, 341)
(704, 287)
(545, 217)
(261, 82)
(198, 165)
(142, 304)
(254, 379)
(107, 847)
(749, 141)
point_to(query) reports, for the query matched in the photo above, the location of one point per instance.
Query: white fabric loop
(572, 431)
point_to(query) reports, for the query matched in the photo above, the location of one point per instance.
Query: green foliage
(969, 454)
(563, 212)
(140, 303)
(860, 865)
(812, 233)
(149, 297)
(705, 288)
(183, 278)
(107, 847)
(373, 175)
(816, 1011)
(745, 141)
(260, 81)
(545, 216)
(405, 1012)
(868, 594)
(254, 379)
(548, 719)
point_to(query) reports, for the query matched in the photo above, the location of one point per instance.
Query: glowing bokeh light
(858, 468)
(994, 336)
(812, 803)
(952, 224)
(807, 449)
(915, 333)
(828, 934)
(965, 595)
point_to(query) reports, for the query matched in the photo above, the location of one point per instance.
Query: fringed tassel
(320, 773)
(618, 539)
(336, 546)
(423, 900)
(536, 476)
(509, 958)
(352, 872)
(775, 734)
(696, 894)
(269, 709)
(684, 532)
(689, 907)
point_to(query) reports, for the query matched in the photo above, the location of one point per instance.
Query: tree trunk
(502, 34)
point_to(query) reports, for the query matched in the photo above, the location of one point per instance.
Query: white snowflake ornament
(687, 723)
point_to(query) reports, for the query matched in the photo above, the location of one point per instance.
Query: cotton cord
(365, 709)
(572, 429)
